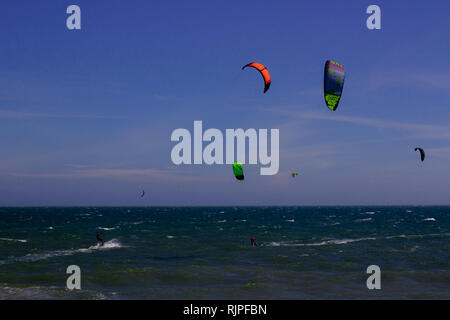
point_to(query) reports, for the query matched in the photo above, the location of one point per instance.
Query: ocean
(205, 252)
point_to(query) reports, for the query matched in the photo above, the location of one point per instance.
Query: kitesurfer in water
(99, 238)
(253, 241)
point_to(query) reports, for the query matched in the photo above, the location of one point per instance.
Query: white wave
(429, 219)
(292, 220)
(42, 293)
(221, 221)
(170, 237)
(369, 212)
(323, 243)
(106, 229)
(15, 240)
(414, 236)
(111, 244)
(409, 211)
(362, 220)
(338, 241)
(50, 228)
(345, 241)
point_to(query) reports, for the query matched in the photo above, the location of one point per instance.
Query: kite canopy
(333, 83)
(264, 72)
(294, 174)
(422, 153)
(238, 171)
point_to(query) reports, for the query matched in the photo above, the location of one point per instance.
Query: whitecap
(14, 240)
(111, 244)
(322, 243)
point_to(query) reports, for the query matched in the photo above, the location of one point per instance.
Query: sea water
(205, 252)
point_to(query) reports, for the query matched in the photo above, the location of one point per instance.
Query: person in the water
(253, 241)
(99, 238)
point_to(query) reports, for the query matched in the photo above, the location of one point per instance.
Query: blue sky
(86, 116)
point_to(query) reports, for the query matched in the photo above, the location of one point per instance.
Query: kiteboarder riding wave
(99, 238)
(253, 241)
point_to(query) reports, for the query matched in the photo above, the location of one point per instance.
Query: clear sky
(86, 115)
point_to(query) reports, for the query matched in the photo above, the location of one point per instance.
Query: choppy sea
(205, 252)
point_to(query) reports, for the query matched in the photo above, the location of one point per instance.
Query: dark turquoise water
(205, 252)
